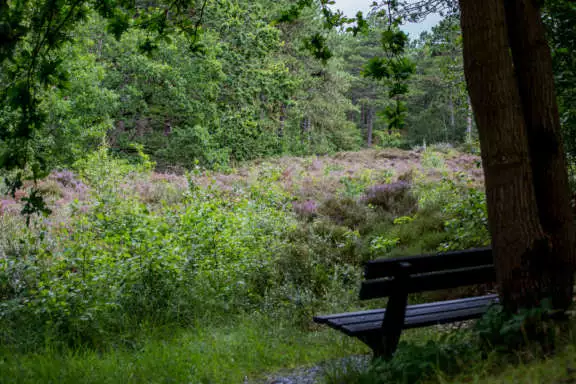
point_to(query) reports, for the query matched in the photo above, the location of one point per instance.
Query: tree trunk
(534, 73)
(167, 126)
(282, 120)
(362, 117)
(369, 126)
(351, 115)
(305, 126)
(452, 111)
(512, 211)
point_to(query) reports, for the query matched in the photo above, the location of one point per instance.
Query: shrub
(68, 179)
(503, 331)
(318, 267)
(305, 210)
(407, 177)
(168, 189)
(354, 186)
(51, 188)
(436, 195)
(472, 147)
(118, 264)
(444, 148)
(432, 159)
(467, 226)
(344, 211)
(385, 140)
(418, 234)
(448, 355)
(395, 198)
(382, 244)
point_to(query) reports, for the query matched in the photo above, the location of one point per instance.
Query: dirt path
(315, 374)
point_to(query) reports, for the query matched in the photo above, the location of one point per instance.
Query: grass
(559, 369)
(228, 354)
(242, 352)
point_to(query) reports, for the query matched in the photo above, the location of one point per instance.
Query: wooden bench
(380, 329)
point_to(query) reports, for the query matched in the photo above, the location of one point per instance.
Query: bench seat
(364, 323)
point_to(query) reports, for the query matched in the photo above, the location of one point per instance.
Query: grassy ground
(245, 352)
(558, 369)
(229, 354)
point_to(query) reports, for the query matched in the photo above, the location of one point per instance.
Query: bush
(448, 355)
(467, 226)
(395, 198)
(444, 148)
(354, 186)
(151, 250)
(472, 147)
(306, 210)
(417, 234)
(502, 331)
(119, 264)
(385, 140)
(433, 159)
(344, 211)
(318, 268)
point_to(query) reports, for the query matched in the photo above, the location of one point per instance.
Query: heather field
(223, 257)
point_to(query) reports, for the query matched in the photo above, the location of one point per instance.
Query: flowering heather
(306, 210)
(159, 187)
(69, 180)
(394, 197)
(8, 206)
(317, 165)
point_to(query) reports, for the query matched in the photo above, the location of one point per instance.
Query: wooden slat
(429, 263)
(327, 318)
(419, 310)
(373, 289)
(432, 319)
(420, 321)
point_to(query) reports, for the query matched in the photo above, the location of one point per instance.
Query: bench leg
(383, 346)
(374, 341)
(384, 341)
(389, 342)
(392, 325)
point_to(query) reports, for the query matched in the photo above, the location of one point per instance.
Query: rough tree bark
(534, 73)
(517, 236)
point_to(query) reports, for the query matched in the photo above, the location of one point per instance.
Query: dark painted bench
(380, 329)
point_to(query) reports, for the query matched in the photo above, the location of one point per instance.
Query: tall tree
(514, 102)
(527, 190)
(534, 74)
(366, 93)
(438, 102)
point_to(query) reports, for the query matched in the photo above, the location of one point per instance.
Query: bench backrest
(427, 273)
